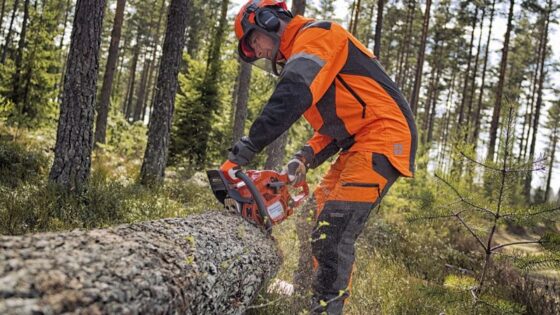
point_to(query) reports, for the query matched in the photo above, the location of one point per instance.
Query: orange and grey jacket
(343, 92)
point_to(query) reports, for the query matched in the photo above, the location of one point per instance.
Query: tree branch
(531, 214)
(463, 199)
(471, 231)
(514, 243)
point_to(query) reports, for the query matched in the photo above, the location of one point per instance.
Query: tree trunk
(303, 275)
(405, 51)
(242, 99)
(367, 35)
(60, 82)
(298, 7)
(16, 82)
(538, 105)
(378, 28)
(74, 138)
(10, 31)
(435, 97)
(477, 117)
(276, 152)
(132, 78)
(447, 119)
(500, 87)
(2, 11)
(141, 92)
(112, 58)
(468, 72)
(357, 10)
(420, 61)
(534, 87)
(429, 94)
(471, 117)
(155, 156)
(554, 143)
(149, 97)
(212, 263)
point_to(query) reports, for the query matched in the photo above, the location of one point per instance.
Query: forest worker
(355, 109)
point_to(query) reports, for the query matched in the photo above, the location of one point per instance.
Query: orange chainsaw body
(278, 197)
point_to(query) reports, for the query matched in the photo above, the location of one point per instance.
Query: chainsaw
(261, 197)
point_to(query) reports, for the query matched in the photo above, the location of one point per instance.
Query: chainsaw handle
(257, 196)
(300, 197)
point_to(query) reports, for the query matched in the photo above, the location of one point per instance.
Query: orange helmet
(258, 15)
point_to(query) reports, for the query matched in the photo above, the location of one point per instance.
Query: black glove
(296, 171)
(242, 152)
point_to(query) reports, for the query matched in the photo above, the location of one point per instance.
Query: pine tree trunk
(466, 80)
(554, 143)
(356, 17)
(500, 87)
(108, 76)
(62, 54)
(151, 88)
(16, 80)
(447, 120)
(10, 31)
(298, 7)
(74, 138)
(538, 105)
(132, 77)
(477, 117)
(378, 28)
(242, 99)
(155, 156)
(432, 117)
(211, 263)
(471, 117)
(141, 92)
(429, 95)
(351, 16)
(420, 61)
(369, 20)
(403, 61)
(2, 11)
(534, 87)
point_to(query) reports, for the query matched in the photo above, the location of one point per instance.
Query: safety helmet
(261, 15)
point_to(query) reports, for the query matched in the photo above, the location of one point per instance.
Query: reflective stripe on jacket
(343, 92)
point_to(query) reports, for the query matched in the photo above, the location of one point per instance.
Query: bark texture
(74, 138)
(156, 154)
(213, 263)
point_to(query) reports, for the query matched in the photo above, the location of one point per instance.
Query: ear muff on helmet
(267, 19)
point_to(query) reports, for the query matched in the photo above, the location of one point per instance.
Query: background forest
(476, 230)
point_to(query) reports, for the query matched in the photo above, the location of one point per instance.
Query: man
(337, 84)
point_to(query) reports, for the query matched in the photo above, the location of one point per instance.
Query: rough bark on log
(213, 263)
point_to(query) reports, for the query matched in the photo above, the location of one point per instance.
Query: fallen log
(213, 263)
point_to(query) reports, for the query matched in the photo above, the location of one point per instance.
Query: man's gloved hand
(229, 169)
(242, 151)
(296, 171)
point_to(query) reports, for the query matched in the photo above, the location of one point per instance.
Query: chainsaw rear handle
(258, 198)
